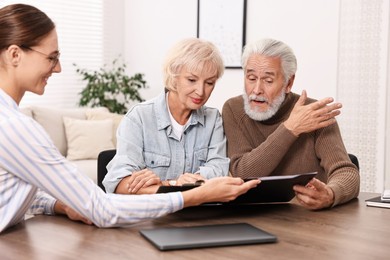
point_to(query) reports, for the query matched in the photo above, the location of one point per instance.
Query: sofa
(79, 134)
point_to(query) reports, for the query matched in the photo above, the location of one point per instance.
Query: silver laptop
(171, 238)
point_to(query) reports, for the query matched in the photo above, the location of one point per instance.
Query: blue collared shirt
(146, 140)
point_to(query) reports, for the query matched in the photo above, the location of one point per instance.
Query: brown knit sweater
(268, 148)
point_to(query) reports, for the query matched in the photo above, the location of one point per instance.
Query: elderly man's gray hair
(272, 48)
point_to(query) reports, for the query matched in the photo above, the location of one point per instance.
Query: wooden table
(350, 231)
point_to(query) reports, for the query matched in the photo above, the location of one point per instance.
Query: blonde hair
(195, 54)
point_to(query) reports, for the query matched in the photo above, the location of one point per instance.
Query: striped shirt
(33, 174)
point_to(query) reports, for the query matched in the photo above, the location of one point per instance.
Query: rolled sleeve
(42, 204)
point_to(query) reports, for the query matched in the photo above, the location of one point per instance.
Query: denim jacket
(145, 140)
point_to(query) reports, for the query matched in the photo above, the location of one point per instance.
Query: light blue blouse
(145, 139)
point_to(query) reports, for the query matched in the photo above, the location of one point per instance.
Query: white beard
(265, 115)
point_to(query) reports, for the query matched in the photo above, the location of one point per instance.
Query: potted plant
(111, 88)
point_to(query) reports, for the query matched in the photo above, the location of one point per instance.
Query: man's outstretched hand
(307, 118)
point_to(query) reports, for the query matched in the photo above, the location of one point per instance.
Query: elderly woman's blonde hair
(196, 55)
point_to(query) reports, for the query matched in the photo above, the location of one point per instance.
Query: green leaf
(110, 87)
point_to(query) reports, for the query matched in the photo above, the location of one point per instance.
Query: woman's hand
(61, 208)
(220, 189)
(138, 180)
(189, 178)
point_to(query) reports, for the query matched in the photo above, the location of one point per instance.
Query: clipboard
(272, 189)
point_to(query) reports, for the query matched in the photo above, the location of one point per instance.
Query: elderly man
(273, 131)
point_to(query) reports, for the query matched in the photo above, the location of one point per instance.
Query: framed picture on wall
(223, 23)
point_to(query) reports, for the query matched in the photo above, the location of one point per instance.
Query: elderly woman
(174, 138)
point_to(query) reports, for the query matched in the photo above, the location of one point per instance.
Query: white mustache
(257, 98)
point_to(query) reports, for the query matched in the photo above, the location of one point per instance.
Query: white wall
(114, 28)
(309, 27)
(363, 65)
(151, 28)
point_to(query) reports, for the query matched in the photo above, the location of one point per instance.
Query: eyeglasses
(53, 58)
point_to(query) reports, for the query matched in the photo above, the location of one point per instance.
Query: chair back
(354, 160)
(104, 158)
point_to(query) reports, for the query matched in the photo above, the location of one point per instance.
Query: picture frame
(223, 22)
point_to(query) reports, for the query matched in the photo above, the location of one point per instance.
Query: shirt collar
(6, 100)
(163, 120)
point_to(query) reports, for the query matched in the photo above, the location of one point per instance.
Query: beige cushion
(51, 120)
(88, 167)
(87, 138)
(101, 115)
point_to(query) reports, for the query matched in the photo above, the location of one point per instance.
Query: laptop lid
(171, 238)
